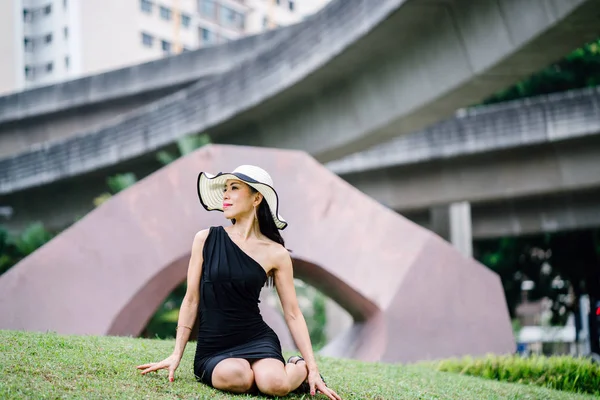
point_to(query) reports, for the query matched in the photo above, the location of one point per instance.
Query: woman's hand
(317, 385)
(171, 363)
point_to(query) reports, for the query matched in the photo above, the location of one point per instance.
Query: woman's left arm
(284, 283)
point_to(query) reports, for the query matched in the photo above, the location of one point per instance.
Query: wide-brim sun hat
(210, 189)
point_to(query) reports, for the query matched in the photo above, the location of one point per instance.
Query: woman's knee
(233, 375)
(275, 384)
(271, 378)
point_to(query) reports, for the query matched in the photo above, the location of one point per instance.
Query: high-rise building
(47, 41)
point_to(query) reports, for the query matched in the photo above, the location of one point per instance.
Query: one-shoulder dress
(229, 321)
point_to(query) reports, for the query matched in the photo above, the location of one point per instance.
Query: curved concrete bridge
(357, 73)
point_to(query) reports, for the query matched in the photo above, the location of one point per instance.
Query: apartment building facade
(47, 41)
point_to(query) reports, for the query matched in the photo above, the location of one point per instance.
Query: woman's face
(238, 199)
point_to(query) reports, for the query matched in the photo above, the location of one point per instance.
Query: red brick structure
(411, 294)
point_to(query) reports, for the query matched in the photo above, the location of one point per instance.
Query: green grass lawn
(34, 365)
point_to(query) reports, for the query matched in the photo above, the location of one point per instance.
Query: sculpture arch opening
(135, 316)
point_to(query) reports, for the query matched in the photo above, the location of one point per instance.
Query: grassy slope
(50, 366)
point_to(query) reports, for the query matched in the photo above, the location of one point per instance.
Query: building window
(146, 6)
(207, 36)
(291, 5)
(66, 31)
(49, 67)
(231, 18)
(28, 43)
(48, 9)
(165, 13)
(29, 73)
(147, 40)
(67, 62)
(166, 46)
(65, 4)
(27, 15)
(207, 8)
(48, 38)
(278, 2)
(185, 20)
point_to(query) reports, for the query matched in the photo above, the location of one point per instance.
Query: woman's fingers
(327, 391)
(335, 395)
(151, 367)
(331, 394)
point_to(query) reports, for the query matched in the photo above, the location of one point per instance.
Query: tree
(579, 69)
(562, 265)
(185, 146)
(14, 248)
(576, 256)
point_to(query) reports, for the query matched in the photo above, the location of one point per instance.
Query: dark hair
(267, 227)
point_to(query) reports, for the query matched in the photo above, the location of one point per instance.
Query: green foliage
(165, 157)
(32, 238)
(13, 248)
(185, 146)
(314, 312)
(121, 182)
(502, 256)
(8, 252)
(51, 366)
(188, 144)
(579, 69)
(543, 259)
(317, 323)
(116, 184)
(164, 321)
(570, 374)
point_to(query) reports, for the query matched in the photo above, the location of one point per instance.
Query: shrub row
(565, 373)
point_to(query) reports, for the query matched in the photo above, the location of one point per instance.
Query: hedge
(572, 374)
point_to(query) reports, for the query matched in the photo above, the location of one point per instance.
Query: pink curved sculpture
(412, 296)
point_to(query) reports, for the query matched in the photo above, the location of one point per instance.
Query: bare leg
(233, 375)
(276, 379)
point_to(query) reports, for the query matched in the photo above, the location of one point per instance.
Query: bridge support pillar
(453, 223)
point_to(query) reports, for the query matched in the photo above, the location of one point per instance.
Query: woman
(236, 350)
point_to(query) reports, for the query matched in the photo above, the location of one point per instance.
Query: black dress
(229, 320)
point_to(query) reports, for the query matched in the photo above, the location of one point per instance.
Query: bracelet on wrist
(183, 326)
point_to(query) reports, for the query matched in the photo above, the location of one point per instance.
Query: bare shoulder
(200, 237)
(280, 255)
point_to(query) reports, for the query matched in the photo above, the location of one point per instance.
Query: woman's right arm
(187, 312)
(189, 305)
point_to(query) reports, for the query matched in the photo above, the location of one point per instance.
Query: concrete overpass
(526, 166)
(516, 149)
(356, 74)
(525, 216)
